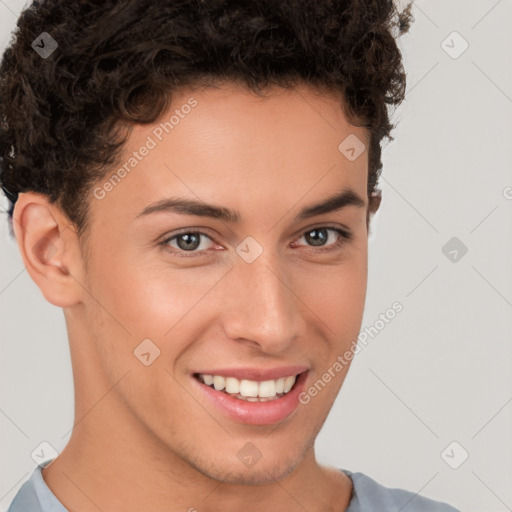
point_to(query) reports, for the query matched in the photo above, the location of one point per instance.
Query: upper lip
(257, 374)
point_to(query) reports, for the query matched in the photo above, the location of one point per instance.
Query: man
(193, 184)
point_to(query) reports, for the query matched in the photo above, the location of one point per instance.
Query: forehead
(227, 144)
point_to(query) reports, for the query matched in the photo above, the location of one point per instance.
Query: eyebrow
(346, 197)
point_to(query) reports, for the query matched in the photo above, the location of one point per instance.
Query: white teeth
(219, 382)
(232, 385)
(267, 388)
(288, 383)
(250, 389)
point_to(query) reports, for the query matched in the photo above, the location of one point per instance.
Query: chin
(257, 475)
(264, 471)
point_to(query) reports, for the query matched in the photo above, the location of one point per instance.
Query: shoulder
(35, 496)
(368, 496)
(25, 500)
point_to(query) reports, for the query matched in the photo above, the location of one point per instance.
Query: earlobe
(49, 248)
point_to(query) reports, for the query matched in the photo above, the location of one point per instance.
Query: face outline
(217, 310)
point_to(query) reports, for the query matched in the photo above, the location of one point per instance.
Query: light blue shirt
(367, 496)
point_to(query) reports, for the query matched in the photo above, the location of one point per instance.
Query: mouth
(250, 390)
(262, 401)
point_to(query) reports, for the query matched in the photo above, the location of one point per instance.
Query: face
(174, 292)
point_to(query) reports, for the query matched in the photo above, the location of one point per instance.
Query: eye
(191, 241)
(319, 236)
(186, 241)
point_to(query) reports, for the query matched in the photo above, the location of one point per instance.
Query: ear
(49, 247)
(373, 205)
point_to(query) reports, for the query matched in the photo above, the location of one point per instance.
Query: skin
(144, 439)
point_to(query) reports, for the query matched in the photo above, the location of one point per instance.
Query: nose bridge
(263, 308)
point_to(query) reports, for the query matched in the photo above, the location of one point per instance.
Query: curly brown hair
(65, 118)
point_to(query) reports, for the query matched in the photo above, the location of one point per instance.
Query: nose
(261, 307)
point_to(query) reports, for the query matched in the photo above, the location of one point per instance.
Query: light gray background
(441, 370)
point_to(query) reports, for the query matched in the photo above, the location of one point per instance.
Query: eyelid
(336, 227)
(168, 238)
(345, 235)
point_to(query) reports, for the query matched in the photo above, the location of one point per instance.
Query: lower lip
(255, 413)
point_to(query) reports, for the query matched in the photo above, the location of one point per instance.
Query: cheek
(336, 295)
(138, 300)
(337, 302)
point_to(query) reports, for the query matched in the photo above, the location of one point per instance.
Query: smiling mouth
(249, 390)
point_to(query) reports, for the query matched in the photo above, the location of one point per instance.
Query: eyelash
(344, 237)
